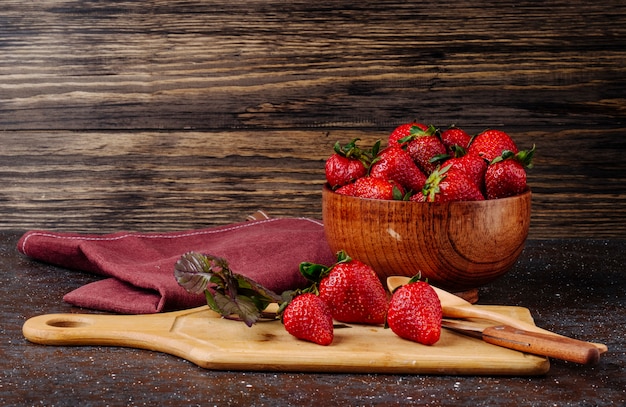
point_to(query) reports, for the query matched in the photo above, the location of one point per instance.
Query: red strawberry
(447, 185)
(348, 189)
(455, 137)
(402, 131)
(418, 197)
(351, 289)
(395, 164)
(425, 148)
(415, 313)
(372, 188)
(471, 164)
(346, 164)
(307, 317)
(506, 175)
(492, 143)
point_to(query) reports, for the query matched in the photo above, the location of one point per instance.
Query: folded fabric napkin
(140, 266)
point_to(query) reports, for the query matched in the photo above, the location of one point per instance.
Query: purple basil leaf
(241, 306)
(195, 271)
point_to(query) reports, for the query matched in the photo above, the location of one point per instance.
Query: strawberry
(447, 185)
(471, 164)
(307, 317)
(492, 143)
(418, 197)
(402, 131)
(372, 188)
(455, 136)
(506, 174)
(346, 164)
(425, 148)
(393, 163)
(415, 313)
(351, 289)
(349, 189)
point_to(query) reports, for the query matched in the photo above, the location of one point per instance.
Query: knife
(568, 349)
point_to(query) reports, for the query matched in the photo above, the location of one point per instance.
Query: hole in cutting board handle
(68, 323)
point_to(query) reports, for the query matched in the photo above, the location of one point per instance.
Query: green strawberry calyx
(316, 272)
(349, 150)
(416, 278)
(353, 152)
(458, 151)
(431, 187)
(524, 157)
(417, 132)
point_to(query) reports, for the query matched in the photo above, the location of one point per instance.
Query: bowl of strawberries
(446, 205)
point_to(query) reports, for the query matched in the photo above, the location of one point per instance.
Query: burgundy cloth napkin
(140, 266)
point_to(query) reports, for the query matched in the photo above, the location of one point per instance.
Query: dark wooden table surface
(169, 115)
(574, 287)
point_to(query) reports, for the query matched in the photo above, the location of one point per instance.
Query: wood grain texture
(204, 338)
(164, 115)
(457, 246)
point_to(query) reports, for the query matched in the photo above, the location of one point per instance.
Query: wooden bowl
(456, 245)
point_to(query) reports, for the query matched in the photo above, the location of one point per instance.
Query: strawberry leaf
(313, 272)
(343, 257)
(439, 158)
(397, 194)
(416, 131)
(416, 278)
(375, 149)
(526, 157)
(458, 151)
(349, 150)
(431, 187)
(337, 148)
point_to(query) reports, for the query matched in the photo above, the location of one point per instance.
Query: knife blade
(568, 349)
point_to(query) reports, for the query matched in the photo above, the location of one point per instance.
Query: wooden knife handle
(553, 346)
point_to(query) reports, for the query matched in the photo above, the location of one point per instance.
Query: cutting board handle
(149, 331)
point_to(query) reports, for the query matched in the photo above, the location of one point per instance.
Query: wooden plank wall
(166, 115)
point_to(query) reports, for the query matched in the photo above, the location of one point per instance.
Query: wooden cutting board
(202, 337)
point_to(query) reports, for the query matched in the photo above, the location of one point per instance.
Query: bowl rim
(526, 193)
